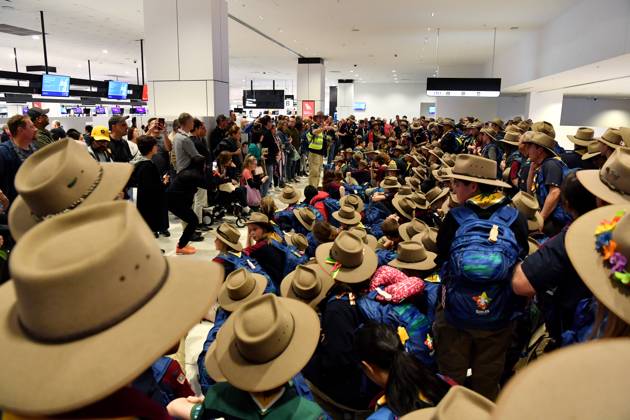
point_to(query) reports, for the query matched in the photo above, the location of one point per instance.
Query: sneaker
(187, 250)
(204, 228)
(157, 235)
(166, 234)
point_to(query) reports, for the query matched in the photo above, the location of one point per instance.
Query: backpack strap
(462, 214)
(505, 215)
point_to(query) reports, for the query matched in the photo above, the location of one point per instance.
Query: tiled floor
(205, 249)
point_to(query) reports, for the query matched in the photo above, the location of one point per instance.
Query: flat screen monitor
(77, 110)
(24, 110)
(431, 110)
(117, 90)
(99, 110)
(55, 85)
(138, 110)
(359, 106)
(116, 110)
(263, 99)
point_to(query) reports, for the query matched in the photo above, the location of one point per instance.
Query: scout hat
(390, 182)
(527, 205)
(73, 298)
(477, 169)
(61, 177)
(239, 287)
(435, 194)
(583, 136)
(413, 228)
(354, 201)
(498, 122)
(391, 166)
(441, 174)
(404, 191)
(405, 206)
(229, 235)
(542, 140)
(561, 385)
(265, 343)
(348, 259)
(347, 215)
(458, 403)
(416, 125)
(511, 138)
(305, 216)
(289, 195)
(533, 245)
(100, 133)
(361, 233)
(544, 127)
(592, 151)
(429, 241)
(612, 182)
(298, 240)
(490, 132)
(598, 245)
(447, 121)
(413, 256)
(611, 138)
(257, 218)
(307, 283)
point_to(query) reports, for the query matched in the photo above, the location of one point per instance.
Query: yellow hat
(100, 132)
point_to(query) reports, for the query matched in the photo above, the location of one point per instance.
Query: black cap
(116, 119)
(37, 112)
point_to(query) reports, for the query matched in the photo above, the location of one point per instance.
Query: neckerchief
(485, 201)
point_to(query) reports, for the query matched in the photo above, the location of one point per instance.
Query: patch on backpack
(482, 301)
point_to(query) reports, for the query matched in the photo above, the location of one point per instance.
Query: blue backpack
(249, 264)
(477, 275)
(542, 192)
(405, 315)
(331, 205)
(287, 221)
(292, 257)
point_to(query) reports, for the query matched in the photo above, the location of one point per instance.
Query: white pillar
(345, 97)
(311, 86)
(186, 57)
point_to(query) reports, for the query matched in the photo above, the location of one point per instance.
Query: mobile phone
(214, 166)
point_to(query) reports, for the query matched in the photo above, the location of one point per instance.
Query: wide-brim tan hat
(360, 270)
(612, 182)
(251, 376)
(562, 384)
(583, 136)
(459, 403)
(339, 216)
(589, 264)
(543, 140)
(73, 373)
(350, 199)
(289, 195)
(405, 206)
(308, 226)
(369, 240)
(415, 249)
(230, 303)
(611, 138)
(410, 229)
(311, 298)
(434, 199)
(211, 364)
(235, 245)
(106, 187)
(390, 183)
(533, 245)
(465, 164)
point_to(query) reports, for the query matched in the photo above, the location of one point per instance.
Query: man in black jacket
(218, 133)
(118, 145)
(269, 143)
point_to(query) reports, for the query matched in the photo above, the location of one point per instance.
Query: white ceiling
(79, 30)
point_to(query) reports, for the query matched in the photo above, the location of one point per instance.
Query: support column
(311, 86)
(345, 97)
(186, 54)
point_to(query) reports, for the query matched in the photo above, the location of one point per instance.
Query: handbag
(253, 196)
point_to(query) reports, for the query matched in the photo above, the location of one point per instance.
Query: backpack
(292, 257)
(331, 205)
(478, 292)
(205, 381)
(249, 264)
(402, 316)
(559, 213)
(164, 381)
(287, 221)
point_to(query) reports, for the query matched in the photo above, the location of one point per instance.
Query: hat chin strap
(77, 202)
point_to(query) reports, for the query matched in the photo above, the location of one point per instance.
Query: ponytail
(380, 346)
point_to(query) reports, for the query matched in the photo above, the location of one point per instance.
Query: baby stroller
(223, 203)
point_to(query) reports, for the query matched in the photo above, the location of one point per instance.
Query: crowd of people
(431, 269)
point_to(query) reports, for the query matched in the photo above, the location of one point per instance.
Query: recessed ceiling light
(429, 29)
(393, 71)
(260, 17)
(35, 37)
(351, 71)
(105, 51)
(280, 30)
(432, 14)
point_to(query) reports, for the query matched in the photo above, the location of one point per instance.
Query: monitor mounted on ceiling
(55, 85)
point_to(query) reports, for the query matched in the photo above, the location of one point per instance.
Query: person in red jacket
(317, 201)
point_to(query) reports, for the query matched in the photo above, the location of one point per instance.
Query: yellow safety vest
(315, 142)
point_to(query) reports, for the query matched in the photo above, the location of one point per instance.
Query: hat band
(611, 186)
(474, 176)
(77, 202)
(100, 328)
(224, 236)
